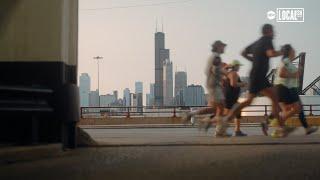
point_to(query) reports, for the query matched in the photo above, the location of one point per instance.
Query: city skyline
(124, 37)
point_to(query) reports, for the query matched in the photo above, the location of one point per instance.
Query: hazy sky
(125, 37)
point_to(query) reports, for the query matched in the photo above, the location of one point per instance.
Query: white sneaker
(193, 120)
(221, 126)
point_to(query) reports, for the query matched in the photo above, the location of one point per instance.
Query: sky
(124, 37)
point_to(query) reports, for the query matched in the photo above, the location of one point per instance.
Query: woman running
(232, 88)
(286, 84)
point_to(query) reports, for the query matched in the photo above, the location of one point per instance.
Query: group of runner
(223, 84)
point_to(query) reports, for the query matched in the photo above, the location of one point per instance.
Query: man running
(286, 83)
(232, 93)
(218, 48)
(214, 72)
(259, 54)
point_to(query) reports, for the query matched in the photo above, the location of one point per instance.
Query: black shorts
(230, 101)
(229, 104)
(258, 83)
(286, 95)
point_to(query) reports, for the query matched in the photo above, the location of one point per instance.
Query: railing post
(174, 112)
(265, 110)
(311, 114)
(128, 112)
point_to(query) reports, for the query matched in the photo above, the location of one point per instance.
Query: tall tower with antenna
(161, 54)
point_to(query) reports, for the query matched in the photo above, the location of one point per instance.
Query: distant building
(139, 93)
(139, 99)
(167, 83)
(94, 98)
(84, 88)
(151, 98)
(139, 87)
(194, 95)
(115, 94)
(126, 97)
(107, 100)
(161, 54)
(179, 87)
(133, 98)
(148, 101)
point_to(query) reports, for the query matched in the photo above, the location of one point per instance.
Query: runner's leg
(239, 106)
(271, 93)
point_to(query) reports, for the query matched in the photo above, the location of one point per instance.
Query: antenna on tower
(156, 24)
(162, 24)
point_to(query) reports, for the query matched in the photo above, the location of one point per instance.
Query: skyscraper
(139, 93)
(161, 54)
(194, 95)
(84, 89)
(179, 87)
(148, 101)
(94, 98)
(167, 83)
(138, 87)
(151, 98)
(126, 97)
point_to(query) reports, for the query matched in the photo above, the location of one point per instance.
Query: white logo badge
(287, 15)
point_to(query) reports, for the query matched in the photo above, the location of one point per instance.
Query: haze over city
(125, 36)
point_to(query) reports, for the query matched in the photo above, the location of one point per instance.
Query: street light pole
(98, 58)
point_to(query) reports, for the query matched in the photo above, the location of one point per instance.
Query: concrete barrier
(312, 120)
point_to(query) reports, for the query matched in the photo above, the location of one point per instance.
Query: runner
(286, 83)
(214, 72)
(259, 54)
(218, 48)
(232, 92)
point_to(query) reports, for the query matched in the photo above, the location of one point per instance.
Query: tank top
(232, 92)
(288, 82)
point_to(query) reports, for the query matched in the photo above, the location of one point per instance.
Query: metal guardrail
(174, 111)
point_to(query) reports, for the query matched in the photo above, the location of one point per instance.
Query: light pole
(98, 58)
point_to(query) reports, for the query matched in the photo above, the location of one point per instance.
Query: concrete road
(263, 162)
(192, 136)
(178, 153)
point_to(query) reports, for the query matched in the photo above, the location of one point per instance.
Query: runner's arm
(233, 76)
(272, 53)
(247, 53)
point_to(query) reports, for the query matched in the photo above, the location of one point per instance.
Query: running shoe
(311, 130)
(222, 135)
(278, 133)
(282, 132)
(222, 125)
(274, 122)
(239, 134)
(193, 120)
